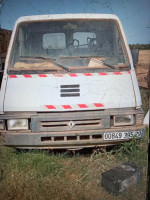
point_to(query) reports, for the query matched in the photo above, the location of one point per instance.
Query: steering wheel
(90, 42)
(75, 43)
(73, 47)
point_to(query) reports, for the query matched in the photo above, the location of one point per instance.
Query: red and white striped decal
(27, 76)
(70, 107)
(68, 75)
(13, 76)
(42, 75)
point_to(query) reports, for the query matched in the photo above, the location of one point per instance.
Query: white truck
(69, 83)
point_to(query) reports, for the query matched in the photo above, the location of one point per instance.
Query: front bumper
(66, 140)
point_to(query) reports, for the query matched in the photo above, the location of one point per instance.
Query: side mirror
(135, 55)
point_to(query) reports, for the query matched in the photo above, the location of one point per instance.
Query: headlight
(121, 120)
(17, 124)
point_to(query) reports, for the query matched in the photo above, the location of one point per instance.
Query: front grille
(71, 125)
(70, 90)
(69, 121)
(71, 138)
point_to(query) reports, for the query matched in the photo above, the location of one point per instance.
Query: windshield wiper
(108, 65)
(99, 61)
(49, 59)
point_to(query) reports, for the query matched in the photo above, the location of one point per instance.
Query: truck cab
(69, 83)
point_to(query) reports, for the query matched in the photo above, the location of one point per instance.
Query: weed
(133, 150)
(38, 175)
(61, 176)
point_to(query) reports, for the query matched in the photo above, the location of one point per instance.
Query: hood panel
(44, 92)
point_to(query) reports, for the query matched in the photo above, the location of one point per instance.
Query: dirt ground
(142, 67)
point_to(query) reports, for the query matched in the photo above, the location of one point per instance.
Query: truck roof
(66, 16)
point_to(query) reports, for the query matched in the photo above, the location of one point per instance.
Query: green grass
(62, 176)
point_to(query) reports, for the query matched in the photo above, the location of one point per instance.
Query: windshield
(75, 44)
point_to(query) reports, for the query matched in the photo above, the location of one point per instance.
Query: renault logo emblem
(71, 124)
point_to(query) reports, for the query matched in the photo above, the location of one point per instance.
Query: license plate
(122, 135)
